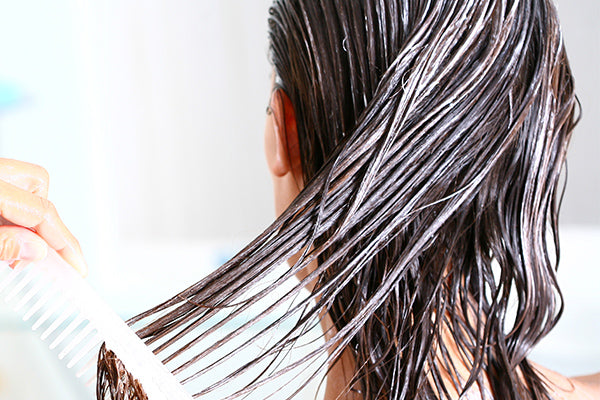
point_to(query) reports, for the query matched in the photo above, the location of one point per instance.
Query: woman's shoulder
(577, 388)
(589, 382)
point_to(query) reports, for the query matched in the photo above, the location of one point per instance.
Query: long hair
(432, 136)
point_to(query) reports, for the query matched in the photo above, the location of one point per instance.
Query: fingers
(26, 209)
(29, 177)
(23, 194)
(20, 244)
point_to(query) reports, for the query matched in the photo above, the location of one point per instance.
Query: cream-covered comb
(74, 321)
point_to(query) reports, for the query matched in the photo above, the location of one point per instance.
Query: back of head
(432, 137)
(435, 132)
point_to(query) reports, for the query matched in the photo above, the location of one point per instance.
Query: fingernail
(81, 266)
(33, 251)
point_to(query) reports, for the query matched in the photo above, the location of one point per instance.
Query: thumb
(17, 243)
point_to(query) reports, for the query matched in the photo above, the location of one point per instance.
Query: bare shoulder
(592, 382)
(576, 388)
(593, 379)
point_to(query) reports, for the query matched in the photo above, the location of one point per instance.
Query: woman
(341, 64)
(415, 148)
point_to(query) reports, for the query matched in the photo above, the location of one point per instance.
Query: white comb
(74, 321)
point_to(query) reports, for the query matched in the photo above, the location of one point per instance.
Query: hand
(29, 222)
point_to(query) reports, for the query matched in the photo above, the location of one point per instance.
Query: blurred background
(149, 117)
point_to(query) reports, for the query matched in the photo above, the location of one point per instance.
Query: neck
(341, 371)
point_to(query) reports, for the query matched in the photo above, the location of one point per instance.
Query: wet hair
(432, 136)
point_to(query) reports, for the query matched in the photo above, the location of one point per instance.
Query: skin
(29, 222)
(284, 163)
(283, 159)
(30, 225)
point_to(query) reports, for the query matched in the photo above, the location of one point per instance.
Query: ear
(287, 150)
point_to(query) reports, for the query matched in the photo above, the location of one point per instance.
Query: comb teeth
(28, 296)
(45, 298)
(20, 284)
(68, 330)
(74, 321)
(51, 308)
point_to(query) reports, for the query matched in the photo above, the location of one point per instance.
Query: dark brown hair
(432, 136)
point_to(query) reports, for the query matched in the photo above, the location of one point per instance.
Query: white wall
(175, 95)
(579, 19)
